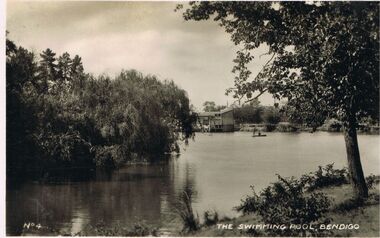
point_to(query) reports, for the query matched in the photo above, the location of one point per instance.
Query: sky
(147, 36)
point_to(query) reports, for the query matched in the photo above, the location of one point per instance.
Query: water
(218, 168)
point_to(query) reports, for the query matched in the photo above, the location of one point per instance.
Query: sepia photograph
(192, 119)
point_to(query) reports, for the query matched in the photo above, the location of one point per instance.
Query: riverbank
(289, 127)
(341, 211)
(366, 216)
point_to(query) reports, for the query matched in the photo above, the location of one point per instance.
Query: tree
(271, 115)
(220, 107)
(209, 106)
(20, 116)
(77, 120)
(64, 69)
(76, 67)
(47, 70)
(323, 58)
(77, 75)
(249, 113)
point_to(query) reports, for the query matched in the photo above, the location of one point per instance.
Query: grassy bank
(319, 203)
(341, 212)
(316, 204)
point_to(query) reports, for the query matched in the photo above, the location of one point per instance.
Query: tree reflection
(134, 194)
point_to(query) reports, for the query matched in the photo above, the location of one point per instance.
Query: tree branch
(262, 91)
(254, 98)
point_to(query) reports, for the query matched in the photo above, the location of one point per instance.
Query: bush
(324, 177)
(210, 218)
(185, 210)
(286, 127)
(270, 128)
(286, 202)
(271, 115)
(372, 180)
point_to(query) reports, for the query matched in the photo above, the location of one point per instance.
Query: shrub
(270, 128)
(210, 218)
(372, 180)
(185, 210)
(324, 177)
(285, 202)
(286, 127)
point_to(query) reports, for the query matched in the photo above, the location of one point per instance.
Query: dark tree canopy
(60, 117)
(324, 58)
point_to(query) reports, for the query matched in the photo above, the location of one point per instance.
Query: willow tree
(322, 57)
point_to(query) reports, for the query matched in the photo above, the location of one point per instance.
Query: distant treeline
(256, 113)
(250, 113)
(259, 114)
(58, 116)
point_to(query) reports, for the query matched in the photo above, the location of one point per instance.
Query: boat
(262, 135)
(258, 134)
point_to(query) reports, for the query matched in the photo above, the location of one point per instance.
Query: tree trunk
(354, 165)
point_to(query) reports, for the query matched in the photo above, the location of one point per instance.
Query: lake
(219, 168)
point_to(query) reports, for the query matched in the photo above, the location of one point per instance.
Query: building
(222, 121)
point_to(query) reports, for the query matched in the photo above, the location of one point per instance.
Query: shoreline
(360, 221)
(288, 127)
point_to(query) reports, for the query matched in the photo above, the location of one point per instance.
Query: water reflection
(135, 194)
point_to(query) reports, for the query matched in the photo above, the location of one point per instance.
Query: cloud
(147, 36)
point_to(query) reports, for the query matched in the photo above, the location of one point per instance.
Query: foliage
(332, 125)
(185, 210)
(271, 115)
(328, 176)
(62, 117)
(20, 119)
(210, 106)
(256, 113)
(210, 218)
(312, 52)
(285, 202)
(292, 201)
(287, 127)
(372, 180)
(324, 177)
(323, 59)
(249, 114)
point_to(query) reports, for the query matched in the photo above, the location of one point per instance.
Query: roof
(228, 109)
(209, 114)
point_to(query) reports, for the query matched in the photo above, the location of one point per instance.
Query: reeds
(185, 210)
